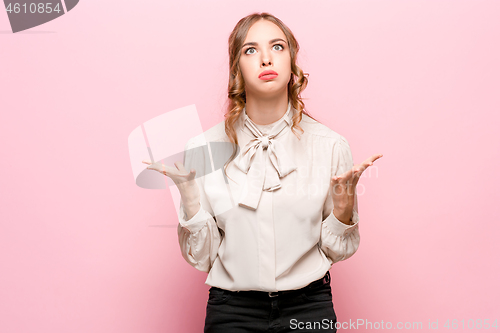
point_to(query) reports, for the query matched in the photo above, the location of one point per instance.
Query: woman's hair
(236, 84)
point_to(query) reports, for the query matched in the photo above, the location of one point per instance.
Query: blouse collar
(264, 159)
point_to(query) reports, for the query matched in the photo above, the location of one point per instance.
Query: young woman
(269, 225)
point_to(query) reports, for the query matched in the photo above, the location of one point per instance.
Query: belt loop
(327, 276)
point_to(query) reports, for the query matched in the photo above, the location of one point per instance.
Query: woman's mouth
(268, 75)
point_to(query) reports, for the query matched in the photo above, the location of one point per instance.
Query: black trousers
(309, 309)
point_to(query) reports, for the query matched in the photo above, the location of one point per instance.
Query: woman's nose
(266, 59)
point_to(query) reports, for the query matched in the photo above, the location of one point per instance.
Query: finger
(368, 162)
(358, 170)
(371, 159)
(348, 176)
(161, 168)
(146, 162)
(336, 179)
(363, 166)
(187, 173)
(180, 167)
(356, 178)
(342, 179)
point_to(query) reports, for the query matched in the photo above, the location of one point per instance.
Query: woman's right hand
(178, 174)
(185, 182)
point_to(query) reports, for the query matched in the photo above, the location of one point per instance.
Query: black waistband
(256, 293)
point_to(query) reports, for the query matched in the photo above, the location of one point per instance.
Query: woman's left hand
(343, 189)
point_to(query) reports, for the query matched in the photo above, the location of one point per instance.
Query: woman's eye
(280, 48)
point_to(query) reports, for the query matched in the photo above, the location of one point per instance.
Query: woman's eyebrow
(270, 42)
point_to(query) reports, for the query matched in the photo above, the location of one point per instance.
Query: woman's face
(265, 49)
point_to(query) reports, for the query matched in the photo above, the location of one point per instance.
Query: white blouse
(269, 224)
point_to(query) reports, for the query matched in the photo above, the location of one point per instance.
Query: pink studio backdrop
(83, 249)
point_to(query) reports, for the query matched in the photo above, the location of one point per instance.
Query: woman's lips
(268, 75)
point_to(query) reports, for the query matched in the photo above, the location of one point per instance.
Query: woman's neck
(264, 112)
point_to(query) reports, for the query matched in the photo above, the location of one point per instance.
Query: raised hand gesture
(184, 180)
(343, 188)
(179, 174)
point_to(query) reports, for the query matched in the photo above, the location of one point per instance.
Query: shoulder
(216, 133)
(320, 131)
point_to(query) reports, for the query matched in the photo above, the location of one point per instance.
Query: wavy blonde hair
(236, 85)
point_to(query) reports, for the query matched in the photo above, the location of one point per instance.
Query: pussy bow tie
(264, 160)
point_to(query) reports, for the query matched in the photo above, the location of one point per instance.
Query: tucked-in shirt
(267, 225)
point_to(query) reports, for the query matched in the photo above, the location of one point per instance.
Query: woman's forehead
(264, 31)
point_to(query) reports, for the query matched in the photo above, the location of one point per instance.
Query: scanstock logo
(26, 15)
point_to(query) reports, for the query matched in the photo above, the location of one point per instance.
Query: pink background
(83, 249)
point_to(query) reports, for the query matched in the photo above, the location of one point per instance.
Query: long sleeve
(338, 240)
(199, 237)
